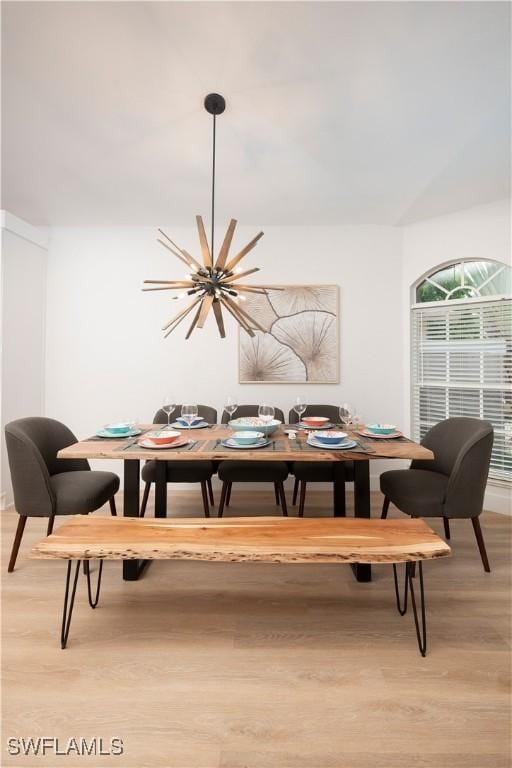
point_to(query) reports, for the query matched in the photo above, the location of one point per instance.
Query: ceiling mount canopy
(215, 104)
(212, 284)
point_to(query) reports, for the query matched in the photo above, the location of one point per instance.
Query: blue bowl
(381, 429)
(267, 429)
(330, 438)
(197, 420)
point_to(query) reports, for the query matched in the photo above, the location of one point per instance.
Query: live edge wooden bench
(246, 539)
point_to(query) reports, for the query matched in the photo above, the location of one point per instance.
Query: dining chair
(315, 471)
(235, 471)
(452, 486)
(45, 486)
(183, 471)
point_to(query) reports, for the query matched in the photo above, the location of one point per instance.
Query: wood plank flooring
(213, 665)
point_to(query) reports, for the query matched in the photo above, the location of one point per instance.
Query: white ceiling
(354, 112)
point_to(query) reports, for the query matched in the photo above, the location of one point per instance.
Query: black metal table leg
(161, 489)
(362, 572)
(93, 601)
(131, 568)
(339, 489)
(69, 602)
(421, 634)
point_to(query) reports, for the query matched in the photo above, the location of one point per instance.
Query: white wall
(106, 357)
(23, 291)
(476, 233)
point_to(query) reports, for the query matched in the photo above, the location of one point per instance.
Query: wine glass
(347, 412)
(299, 408)
(266, 413)
(230, 407)
(188, 414)
(168, 406)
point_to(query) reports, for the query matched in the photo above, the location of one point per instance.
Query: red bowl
(315, 421)
(162, 437)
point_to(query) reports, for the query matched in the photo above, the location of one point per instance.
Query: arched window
(461, 336)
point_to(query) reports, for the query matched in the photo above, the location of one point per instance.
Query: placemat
(95, 438)
(192, 447)
(275, 445)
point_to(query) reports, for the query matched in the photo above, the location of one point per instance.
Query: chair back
(32, 447)
(249, 410)
(331, 411)
(205, 411)
(462, 448)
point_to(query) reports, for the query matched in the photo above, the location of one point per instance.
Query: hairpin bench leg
(402, 610)
(69, 601)
(421, 634)
(93, 602)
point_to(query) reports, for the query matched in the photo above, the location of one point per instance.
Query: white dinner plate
(327, 425)
(166, 446)
(229, 443)
(179, 425)
(344, 445)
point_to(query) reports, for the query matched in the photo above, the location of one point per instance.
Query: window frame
(415, 305)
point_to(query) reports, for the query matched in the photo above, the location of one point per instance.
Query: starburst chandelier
(214, 283)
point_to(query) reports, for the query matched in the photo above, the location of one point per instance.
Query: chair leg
(446, 523)
(228, 494)
(145, 498)
(113, 510)
(481, 543)
(283, 499)
(51, 521)
(295, 492)
(204, 491)
(16, 543)
(222, 501)
(276, 492)
(385, 508)
(302, 500)
(210, 491)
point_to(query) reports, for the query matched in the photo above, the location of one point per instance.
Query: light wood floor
(203, 665)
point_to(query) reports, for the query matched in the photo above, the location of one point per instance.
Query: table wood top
(249, 539)
(208, 446)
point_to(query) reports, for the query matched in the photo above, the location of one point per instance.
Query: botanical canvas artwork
(300, 338)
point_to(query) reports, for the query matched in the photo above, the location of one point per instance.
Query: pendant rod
(213, 191)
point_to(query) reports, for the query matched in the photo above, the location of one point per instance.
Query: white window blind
(462, 366)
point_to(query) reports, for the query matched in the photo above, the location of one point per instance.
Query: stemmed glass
(299, 408)
(168, 407)
(188, 414)
(266, 413)
(347, 412)
(231, 406)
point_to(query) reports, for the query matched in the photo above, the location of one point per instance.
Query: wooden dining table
(206, 444)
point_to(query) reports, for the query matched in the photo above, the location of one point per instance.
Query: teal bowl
(268, 429)
(381, 429)
(247, 438)
(118, 429)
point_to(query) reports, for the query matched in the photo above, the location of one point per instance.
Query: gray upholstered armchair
(453, 484)
(315, 471)
(45, 486)
(183, 471)
(235, 471)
